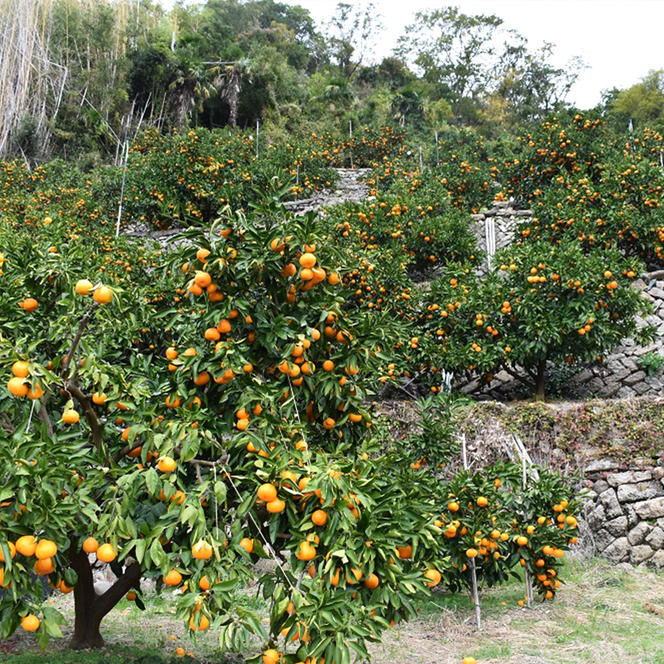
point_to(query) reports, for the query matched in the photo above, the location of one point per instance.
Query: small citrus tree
(541, 303)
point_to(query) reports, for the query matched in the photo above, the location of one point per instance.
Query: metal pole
(437, 152)
(122, 188)
(350, 131)
(258, 129)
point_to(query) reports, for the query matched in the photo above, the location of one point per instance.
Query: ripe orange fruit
(468, 660)
(99, 398)
(202, 279)
(35, 392)
(471, 553)
(453, 506)
(371, 581)
(482, 501)
(434, 577)
(328, 365)
(329, 423)
(203, 624)
(44, 566)
(204, 583)
(70, 416)
(90, 545)
(307, 260)
(271, 656)
(179, 652)
(173, 578)
(405, 552)
(131, 596)
(166, 464)
(30, 623)
(203, 378)
(17, 387)
(12, 553)
(29, 304)
(20, 369)
(84, 286)
(26, 545)
(247, 544)
(201, 550)
(45, 549)
(521, 540)
(267, 492)
(276, 506)
(306, 551)
(202, 254)
(106, 553)
(319, 517)
(102, 295)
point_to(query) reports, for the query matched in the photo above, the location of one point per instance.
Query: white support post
(490, 240)
(473, 569)
(122, 188)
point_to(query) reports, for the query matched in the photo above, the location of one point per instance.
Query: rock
(101, 587)
(639, 554)
(600, 486)
(632, 517)
(603, 539)
(597, 518)
(637, 534)
(631, 493)
(611, 505)
(601, 465)
(656, 538)
(650, 509)
(617, 527)
(618, 550)
(616, 479)
(657, 560)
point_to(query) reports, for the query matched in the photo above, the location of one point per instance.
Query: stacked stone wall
(625, 513)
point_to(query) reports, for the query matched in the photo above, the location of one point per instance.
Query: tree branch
(520, 378)
(118, 590)
(125, 450)
(43, 417)
(89, 411)
(79, 333)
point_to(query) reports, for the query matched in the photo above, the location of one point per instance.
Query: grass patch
(602, 615)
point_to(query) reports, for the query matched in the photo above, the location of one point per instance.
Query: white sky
(619, 40)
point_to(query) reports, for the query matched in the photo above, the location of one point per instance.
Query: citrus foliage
(180, 415)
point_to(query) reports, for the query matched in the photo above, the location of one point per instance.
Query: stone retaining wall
(625, 513)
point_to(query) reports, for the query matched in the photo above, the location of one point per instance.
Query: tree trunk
(89, 609)
(541, 378)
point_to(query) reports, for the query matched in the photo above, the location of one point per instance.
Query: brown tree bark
(541, 381)
(90, 609)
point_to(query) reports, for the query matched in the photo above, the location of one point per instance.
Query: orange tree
(182, 442)
(541, 303)
(178, 418)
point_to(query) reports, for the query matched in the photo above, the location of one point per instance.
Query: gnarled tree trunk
(90, 609)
